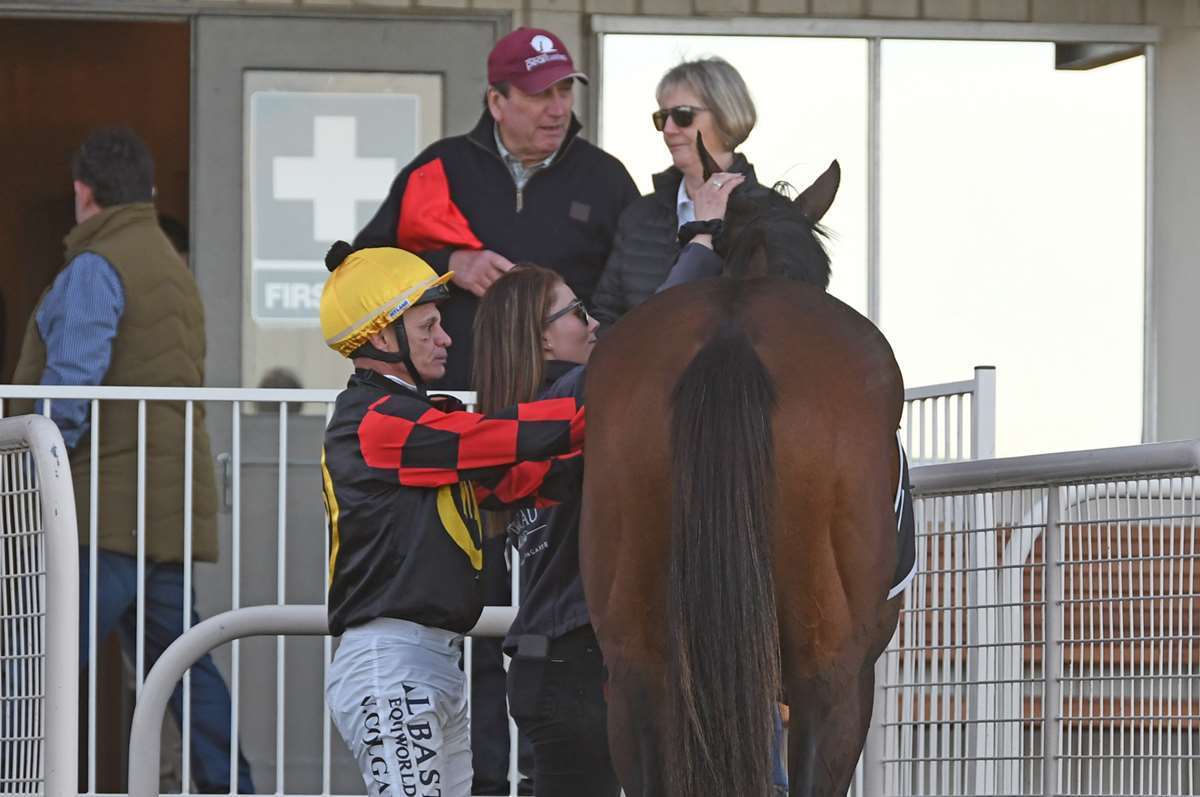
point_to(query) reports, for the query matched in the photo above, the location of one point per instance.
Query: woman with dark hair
(532, 337)
(706, 97)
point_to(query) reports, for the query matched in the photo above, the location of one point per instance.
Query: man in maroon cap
(521, 186)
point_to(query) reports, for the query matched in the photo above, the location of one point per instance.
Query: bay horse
(738, 536)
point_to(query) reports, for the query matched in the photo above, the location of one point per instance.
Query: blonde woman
(706, 97)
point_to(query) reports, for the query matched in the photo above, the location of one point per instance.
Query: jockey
(404, 477)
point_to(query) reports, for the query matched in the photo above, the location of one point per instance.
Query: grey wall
(1176, 240)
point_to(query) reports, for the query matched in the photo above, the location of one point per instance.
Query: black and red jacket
(459, 194)
(403, 484)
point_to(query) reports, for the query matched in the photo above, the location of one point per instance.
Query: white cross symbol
(334, 178)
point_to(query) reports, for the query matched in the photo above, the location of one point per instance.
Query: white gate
(39, 611)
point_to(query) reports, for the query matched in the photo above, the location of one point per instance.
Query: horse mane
(765, 234)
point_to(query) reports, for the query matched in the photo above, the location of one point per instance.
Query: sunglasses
(681, 115)
(575, 307)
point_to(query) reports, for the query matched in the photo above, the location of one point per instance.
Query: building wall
(1176, 235)
(1176, 240)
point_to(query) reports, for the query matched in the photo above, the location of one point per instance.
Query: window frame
(875, 32)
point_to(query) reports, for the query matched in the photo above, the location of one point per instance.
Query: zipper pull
(520, 199)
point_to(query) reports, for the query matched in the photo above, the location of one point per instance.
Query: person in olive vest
(125, 310)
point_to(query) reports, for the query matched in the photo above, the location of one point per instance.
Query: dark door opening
(59, 79)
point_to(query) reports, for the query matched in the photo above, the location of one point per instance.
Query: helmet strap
(403, 356)
(406, 354)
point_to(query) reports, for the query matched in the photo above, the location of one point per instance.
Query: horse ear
(815, 200)
(710, 165)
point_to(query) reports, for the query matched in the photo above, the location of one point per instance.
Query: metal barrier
(274, 546)
(257, 429)
(144, 740)
(1050, 642)
(952, 421)
(39, 612)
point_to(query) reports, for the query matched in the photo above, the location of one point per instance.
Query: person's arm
(430, 448)
(78, 323)
(538, 484)
(695, 262)
(697, 259)
(534, 485)
(420, 215)
(384, 228)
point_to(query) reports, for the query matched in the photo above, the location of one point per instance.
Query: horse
(738, 537)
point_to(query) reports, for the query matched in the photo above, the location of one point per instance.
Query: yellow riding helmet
(371, 288)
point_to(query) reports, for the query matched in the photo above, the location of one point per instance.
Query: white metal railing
(269, 527)
(951, 421)
(275, 550)
(144, 740)
(1050, 643)
(39, 612)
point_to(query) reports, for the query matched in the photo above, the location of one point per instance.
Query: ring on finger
(717, 183)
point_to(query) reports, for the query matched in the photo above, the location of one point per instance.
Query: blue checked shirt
(78, 322)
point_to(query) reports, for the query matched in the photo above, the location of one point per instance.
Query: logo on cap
(542, 44)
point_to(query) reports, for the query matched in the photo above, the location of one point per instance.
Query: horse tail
(724, 669)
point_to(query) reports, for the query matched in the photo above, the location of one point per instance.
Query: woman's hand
(714, 193)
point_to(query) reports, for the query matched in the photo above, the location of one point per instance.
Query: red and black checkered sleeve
(431, 448)
(531, 484)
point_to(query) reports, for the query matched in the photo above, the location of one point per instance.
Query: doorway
(59, 79)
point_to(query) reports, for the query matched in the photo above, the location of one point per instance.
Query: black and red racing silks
(525, 454)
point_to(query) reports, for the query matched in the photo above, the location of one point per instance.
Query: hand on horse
(476, 270)
(711, 199)
(714, 193)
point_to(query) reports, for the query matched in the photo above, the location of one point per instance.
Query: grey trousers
(398, 698)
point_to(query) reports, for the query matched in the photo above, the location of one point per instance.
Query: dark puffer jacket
(645, 246)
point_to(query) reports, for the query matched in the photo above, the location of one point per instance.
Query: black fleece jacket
(564, 218)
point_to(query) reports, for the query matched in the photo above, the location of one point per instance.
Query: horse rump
(724, 667)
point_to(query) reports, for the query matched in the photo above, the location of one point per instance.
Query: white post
(60, 757)
(873, 751)
(1052, 660)
(983, 413)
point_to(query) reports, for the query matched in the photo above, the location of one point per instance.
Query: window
(1011, 206)
(802, 125)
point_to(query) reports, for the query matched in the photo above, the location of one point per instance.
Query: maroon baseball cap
(531, 59)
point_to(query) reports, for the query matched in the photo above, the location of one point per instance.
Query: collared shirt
(520, 172)
(685, 208)
(78, 322)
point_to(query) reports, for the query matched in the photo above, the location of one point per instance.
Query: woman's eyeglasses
(575, 307)
(681, 115)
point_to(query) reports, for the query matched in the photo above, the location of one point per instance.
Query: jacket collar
(365, 376)
(484, 134)
(556, 370)
(666, 183)
(106, 222)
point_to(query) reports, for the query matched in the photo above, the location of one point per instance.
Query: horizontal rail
(937, 391)
(111, 393)
(1041, 469)
(311, 620)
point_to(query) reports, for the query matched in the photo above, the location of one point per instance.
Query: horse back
(839, 398)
